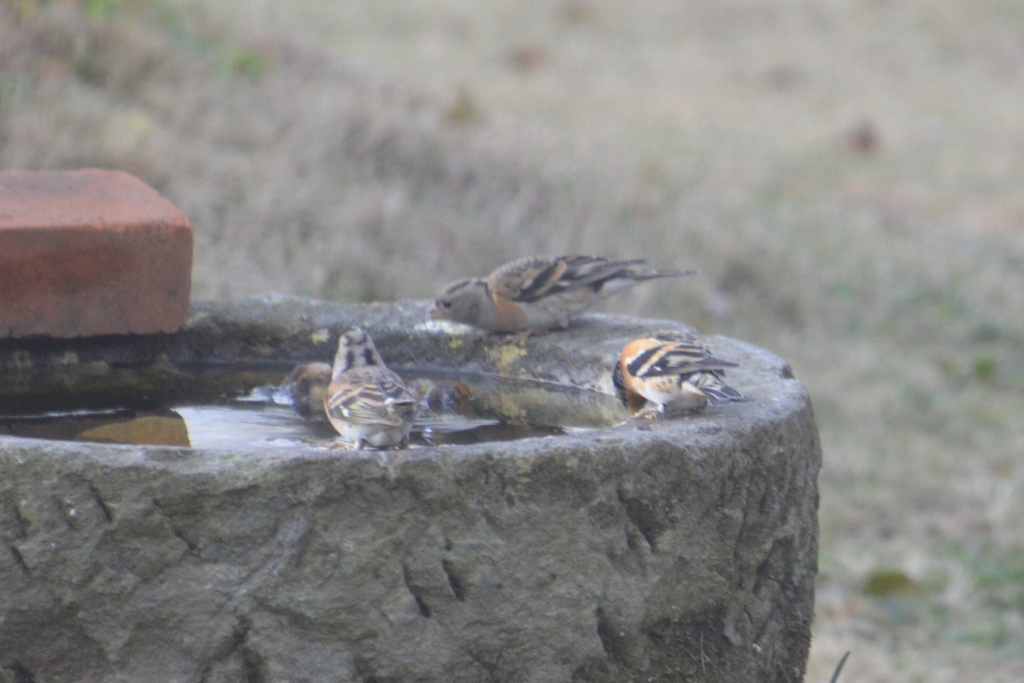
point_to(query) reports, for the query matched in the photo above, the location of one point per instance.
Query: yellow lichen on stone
(509, 407)
(505, 356)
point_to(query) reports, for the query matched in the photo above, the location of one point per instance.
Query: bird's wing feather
(384, 401)
(717, 391)
(533, 278)
(674, 358)
(527, 279)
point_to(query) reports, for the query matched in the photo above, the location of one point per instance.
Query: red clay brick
(90, 252)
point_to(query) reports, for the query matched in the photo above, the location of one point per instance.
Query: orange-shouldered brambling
(669, 373)
(536, 294)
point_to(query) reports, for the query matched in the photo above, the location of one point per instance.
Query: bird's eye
(446, 304)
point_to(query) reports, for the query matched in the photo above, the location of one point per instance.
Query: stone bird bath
(671, 550)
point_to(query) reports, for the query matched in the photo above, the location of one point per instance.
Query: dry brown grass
(849, 177)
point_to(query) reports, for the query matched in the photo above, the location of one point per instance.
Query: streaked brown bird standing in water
(367, 403)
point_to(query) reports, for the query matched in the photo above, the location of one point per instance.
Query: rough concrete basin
(671, 550)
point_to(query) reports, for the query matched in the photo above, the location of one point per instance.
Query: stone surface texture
(673, 550)
(90, 252)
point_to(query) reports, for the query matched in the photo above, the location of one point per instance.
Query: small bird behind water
(669, 373)
(367, 403)
(306, 385)
(537, 294)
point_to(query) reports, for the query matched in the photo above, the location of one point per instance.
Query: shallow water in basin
(451, 412)
(240, 426)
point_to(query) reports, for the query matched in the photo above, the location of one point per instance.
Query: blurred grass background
(848, 177)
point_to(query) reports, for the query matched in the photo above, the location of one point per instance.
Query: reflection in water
(242, 425)
(251, 424)
(464, 432)
(168, 430)
(451, 413)
(160, 427)
(515, 402)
